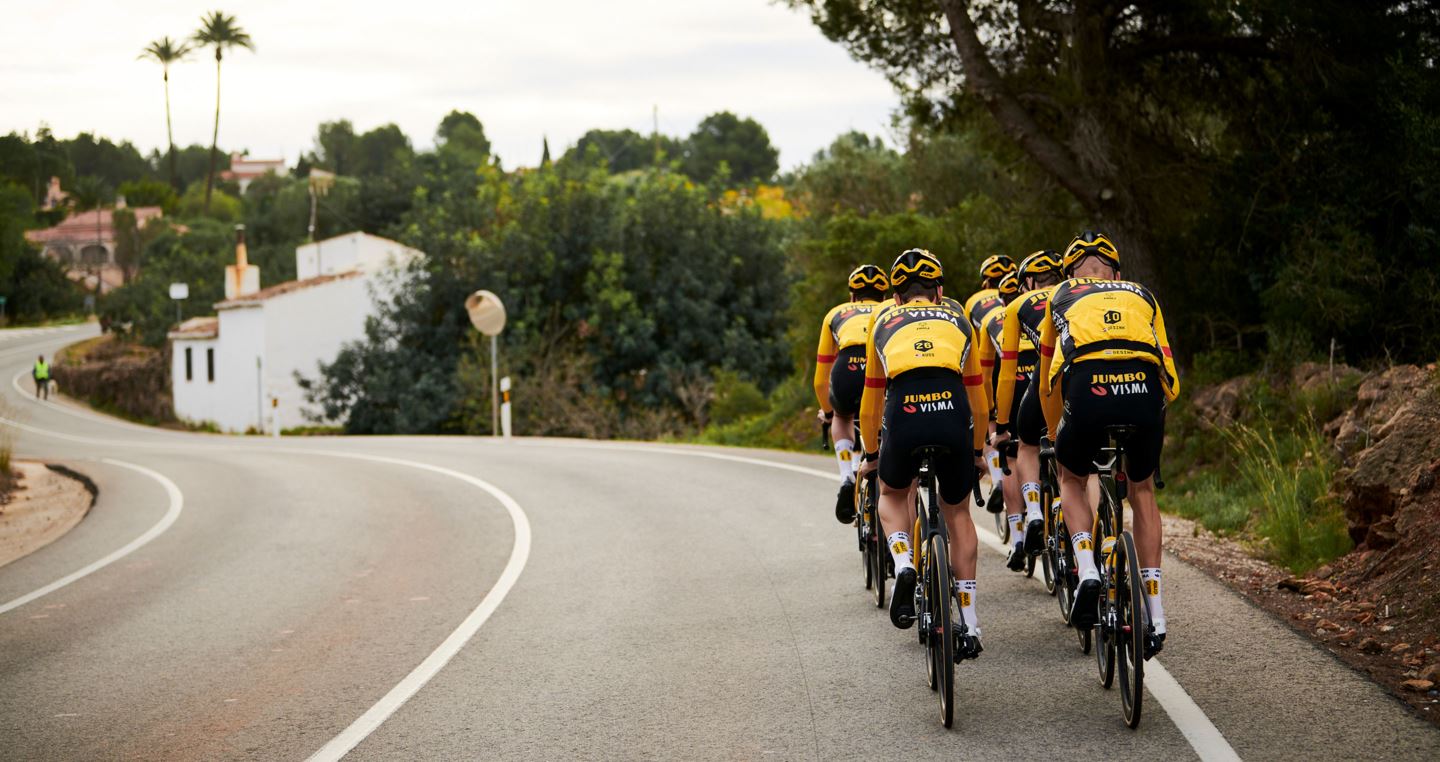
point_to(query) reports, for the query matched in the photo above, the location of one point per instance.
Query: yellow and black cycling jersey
(912, 336)
(980, 303)
(1101, 319)
(845, 325)
(1019, 345)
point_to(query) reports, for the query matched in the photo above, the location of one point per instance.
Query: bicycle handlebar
(975, 489)
(1004, 462)
(824, 435)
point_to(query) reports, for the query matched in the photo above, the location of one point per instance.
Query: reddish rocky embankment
(1377, 607)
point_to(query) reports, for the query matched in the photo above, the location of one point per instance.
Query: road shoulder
(47, 501)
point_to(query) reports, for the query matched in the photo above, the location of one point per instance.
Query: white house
(237, 370)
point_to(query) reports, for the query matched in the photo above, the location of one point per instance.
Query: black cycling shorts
(1101, 393)
(1030, 419)
(928, 408)
(847, 380)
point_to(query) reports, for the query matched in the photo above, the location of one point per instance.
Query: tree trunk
(170, 134)
(214, 136)
(1088, 164)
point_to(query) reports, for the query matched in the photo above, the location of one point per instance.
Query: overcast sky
(526, 68)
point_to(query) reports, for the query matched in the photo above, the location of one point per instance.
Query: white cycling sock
(1151, 580)
(1031, 492)
(900, 550)
(965, 594)
(1017, 531)
(845, 457)
(1084, 546)
(992, 461)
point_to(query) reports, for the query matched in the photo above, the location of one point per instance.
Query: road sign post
(179, 292)
(505, 406)
(487, 314)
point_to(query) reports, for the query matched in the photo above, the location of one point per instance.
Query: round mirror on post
(487, 314)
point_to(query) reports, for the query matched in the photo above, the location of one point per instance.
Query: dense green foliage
(1269, 166)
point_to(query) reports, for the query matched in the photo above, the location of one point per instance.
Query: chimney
(241, 278)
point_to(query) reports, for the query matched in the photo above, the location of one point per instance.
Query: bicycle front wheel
(1130, 629)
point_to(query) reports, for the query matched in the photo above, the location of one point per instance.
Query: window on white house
(210, 362)
(189, 363)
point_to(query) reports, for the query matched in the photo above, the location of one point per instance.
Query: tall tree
(741, 144)
(165, 52)
(220, 32)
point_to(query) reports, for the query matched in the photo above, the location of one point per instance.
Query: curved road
(444, 598)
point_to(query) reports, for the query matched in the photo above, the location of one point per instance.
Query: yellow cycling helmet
(918, 264)
(1039, 263)
(1009, 285)
(1090, 243)
(868, 277)
(995, 266)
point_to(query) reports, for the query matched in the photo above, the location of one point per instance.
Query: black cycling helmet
(917, 264)
(867, 277)
(1090, 243)
(995, 266)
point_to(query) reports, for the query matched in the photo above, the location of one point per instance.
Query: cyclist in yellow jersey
(995, 267)
(922, 370)
(989, 345)
(1105, 360)
(840, 373)
(1017, 400)
(980, 303)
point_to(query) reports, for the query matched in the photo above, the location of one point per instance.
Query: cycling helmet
(1009, 285)
(1040, 263)
(995, 266)
(918, 264)
(868, 277)
(1090, 243)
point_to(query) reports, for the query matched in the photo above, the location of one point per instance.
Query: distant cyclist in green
(41, 374)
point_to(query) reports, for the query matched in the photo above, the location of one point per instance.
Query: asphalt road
(460, 598)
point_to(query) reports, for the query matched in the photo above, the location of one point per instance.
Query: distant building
(84, 243)
(237, 370)
(244, 169)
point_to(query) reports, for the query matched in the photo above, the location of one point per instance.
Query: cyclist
(920, 368)
(840, 373)
(1017, 401)
(1103, 347)
(988, 347)
(992, 270)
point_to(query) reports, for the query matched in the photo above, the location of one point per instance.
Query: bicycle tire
(862, 531)
(942, 636)
(1065, 572)
(879, 550)
(1131, 629)
(1105, 642)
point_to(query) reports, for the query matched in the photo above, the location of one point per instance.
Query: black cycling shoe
(1016, 561)
(1154, 642)
(1083, 612)
(902, 599)
(1034, 537)
(967, 646)
(845, 504)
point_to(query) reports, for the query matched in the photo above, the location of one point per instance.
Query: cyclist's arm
(975, 392)
(1009, 360)
(1172, 389)
(824, 359)
(872, 401)
(1050, 394)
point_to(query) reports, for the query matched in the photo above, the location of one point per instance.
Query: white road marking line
(177, 503)
(1207, 741)
(349, 738)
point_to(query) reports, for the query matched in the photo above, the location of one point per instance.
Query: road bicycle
(1124, 619)
(941, 628)
(879, 566)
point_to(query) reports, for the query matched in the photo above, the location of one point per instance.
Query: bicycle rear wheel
(1047, 552)
(1064, 571)
(879, 549)
(862, 532)
(1130, 629)
(941, 640)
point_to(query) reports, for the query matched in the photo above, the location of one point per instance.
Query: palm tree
(218, 31)
(166, 51)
